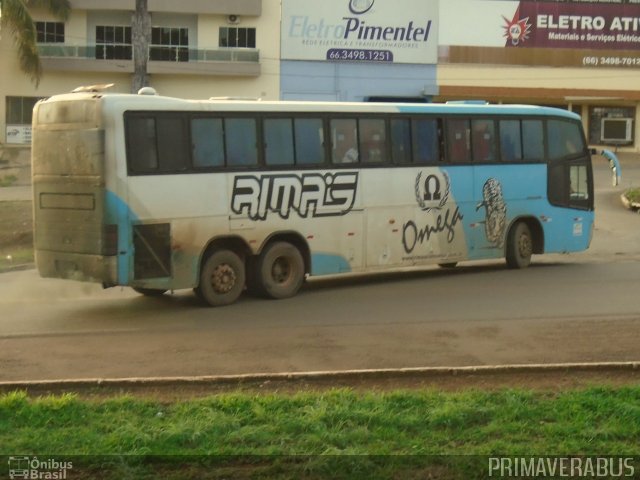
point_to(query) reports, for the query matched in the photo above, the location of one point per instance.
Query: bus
(224, 196)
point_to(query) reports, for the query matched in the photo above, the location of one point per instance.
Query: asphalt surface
(564, 309)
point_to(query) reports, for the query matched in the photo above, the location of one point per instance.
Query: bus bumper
(76, 266)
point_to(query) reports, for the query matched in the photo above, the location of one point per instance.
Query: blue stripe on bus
(326, 264)
(490, 109)
(524, 194)
(118, 213)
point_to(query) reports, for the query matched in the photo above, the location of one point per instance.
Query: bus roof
(124, 102)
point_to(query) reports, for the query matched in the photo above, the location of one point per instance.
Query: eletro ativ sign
(574, 25)
(541, 32)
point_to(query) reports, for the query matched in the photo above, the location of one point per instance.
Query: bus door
(470, 143)
(390, 210)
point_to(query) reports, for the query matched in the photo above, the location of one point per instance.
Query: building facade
(198, 49)
(583, 55)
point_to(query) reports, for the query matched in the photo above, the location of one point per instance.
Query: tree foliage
(15, 15)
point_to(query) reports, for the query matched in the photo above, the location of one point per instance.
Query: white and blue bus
(224, 196)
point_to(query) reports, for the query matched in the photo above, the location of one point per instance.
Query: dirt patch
(545, 380)
(16, 234)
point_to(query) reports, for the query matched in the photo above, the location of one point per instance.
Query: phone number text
(595, 61)
(357, 55)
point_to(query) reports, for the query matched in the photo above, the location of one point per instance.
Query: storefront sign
(18, 134)
(551, 32)
(360, 30)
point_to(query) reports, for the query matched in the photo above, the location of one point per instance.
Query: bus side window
(483, 140)
(173, 150)
(532, 140)
(278, 141)
(425, 141)
(458, 140)
(579, 184)
(241, 142)
(309, 141)
(344, 141)
(510, 141)
(207, 142)
(142, 152)
(373, 141)
(401, 141)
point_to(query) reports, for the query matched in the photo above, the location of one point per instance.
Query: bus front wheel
(280, 270)
(222, 278)
(519, 246)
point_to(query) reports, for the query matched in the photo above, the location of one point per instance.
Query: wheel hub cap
(223, 279)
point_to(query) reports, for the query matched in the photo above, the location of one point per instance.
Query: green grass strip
(633, 195)
(338, 433)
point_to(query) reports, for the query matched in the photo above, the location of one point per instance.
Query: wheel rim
(281, 270)
(524, 246)
(223, 278)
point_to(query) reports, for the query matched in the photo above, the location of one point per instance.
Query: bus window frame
(442, 142)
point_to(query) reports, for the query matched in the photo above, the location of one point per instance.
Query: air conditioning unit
(617, 130)
(233, 19)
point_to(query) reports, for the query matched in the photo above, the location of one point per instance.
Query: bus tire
(222, 278)
(149, 292)
(280, 270)
(519, 246)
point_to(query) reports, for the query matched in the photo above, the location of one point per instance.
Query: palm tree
(14, 15)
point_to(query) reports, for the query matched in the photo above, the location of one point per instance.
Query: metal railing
(156, 53)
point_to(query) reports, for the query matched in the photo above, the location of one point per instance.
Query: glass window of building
(50, 32)
(113, 42)
(169, 44)
(237, 37)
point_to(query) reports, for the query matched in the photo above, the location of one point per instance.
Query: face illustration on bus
(495, 212)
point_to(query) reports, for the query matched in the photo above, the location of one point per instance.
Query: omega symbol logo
(432, 192)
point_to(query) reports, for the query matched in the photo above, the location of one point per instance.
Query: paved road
(574, 308)
(22, 192)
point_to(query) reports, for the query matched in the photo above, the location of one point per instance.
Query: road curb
(629, 204)
(318, 376)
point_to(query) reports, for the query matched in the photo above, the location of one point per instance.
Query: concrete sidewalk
(22, 192)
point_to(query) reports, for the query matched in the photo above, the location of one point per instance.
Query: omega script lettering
(444, 222)
(309, 195)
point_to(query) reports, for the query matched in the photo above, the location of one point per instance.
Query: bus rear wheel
(222, 278)
(280, 270)
(519, 246)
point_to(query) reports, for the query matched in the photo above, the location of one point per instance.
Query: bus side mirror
(614, 164)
